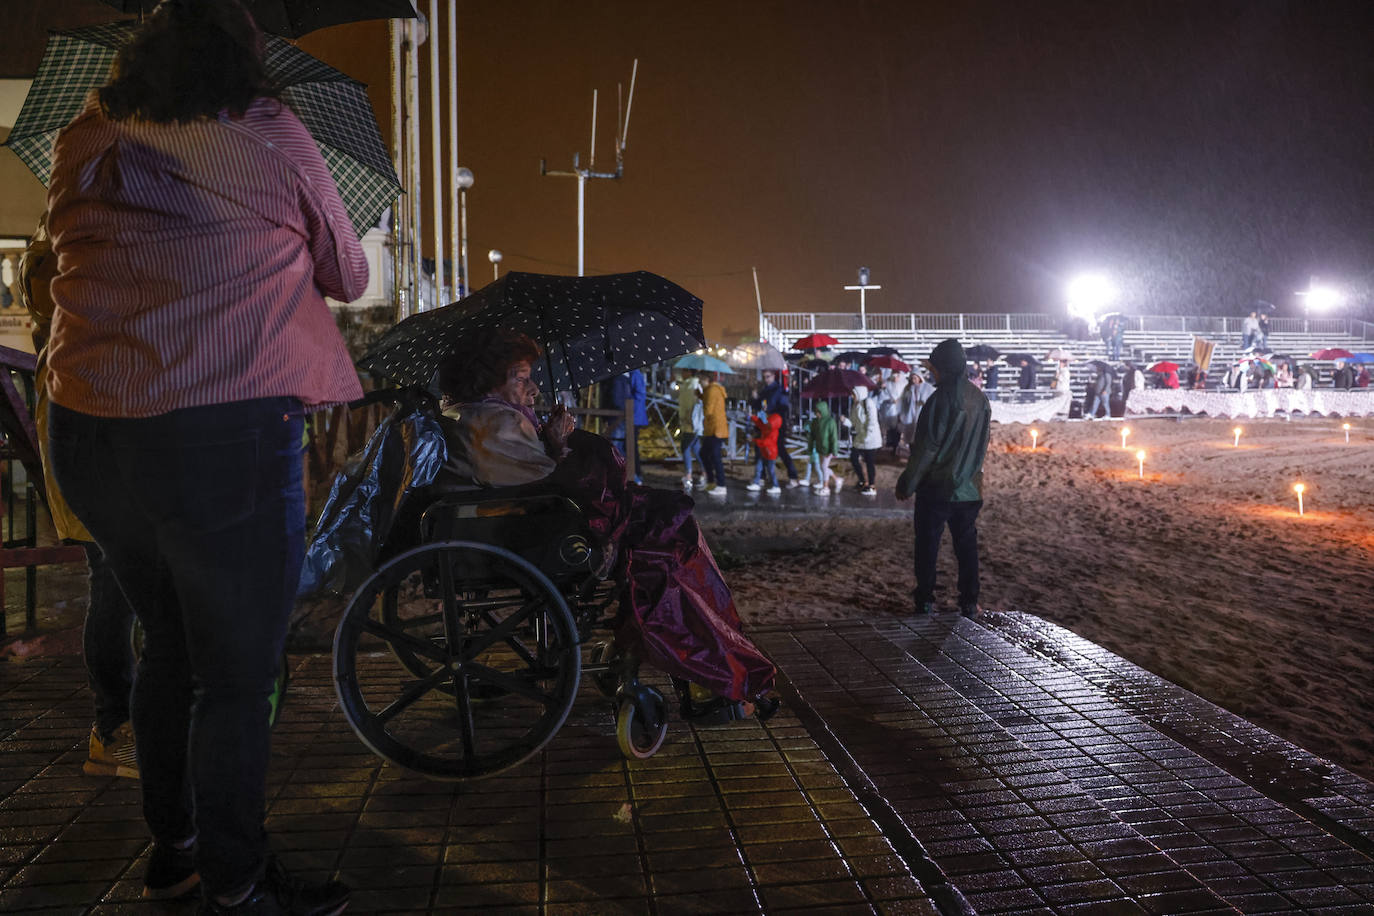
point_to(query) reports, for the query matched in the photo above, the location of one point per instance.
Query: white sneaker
(774, 490)
(716, 489)
(869, 491)
(754, 487)
(686, 481)
(793, 484)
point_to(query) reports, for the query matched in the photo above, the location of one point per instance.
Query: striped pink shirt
(193, 261)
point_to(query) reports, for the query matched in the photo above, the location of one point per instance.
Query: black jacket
(951, 438)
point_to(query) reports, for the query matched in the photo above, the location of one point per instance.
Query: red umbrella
(887, 362)
(1332, 353)
(1165, 366)
(814, 342)
(835, 383)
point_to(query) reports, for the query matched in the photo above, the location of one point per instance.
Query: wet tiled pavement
(920, 766)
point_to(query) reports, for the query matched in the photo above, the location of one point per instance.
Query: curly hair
(482, 361)
(190, 59)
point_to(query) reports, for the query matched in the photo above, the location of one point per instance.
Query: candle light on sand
(1035, 435)
(1298, 489)
(1346, 427)
(1237, 431)
(1125, 431)
(1140, 457)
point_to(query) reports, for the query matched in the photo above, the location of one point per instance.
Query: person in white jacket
(890, 408)
(866, 437)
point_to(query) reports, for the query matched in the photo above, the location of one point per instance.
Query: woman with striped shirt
(197, 232)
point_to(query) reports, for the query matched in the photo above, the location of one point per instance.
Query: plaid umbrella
(294, 18)
(333, 107)
(591, 328)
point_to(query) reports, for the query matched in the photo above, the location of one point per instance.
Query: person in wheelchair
(676, 612)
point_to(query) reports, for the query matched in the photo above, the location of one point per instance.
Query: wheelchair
(461, 656)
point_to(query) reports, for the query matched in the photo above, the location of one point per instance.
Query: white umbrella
(757, 354)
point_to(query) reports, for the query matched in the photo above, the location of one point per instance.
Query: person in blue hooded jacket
(629, 386)
(945, 474)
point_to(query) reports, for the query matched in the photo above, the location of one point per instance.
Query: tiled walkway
(740, 818)
(921, 766)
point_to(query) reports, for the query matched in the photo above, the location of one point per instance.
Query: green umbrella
(704, 362)
(333, 107)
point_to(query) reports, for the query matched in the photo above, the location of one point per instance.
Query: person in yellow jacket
(109, 618)
(715, 430)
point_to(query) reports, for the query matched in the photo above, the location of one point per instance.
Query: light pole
(863, 287)
(494, 256)
(464, 177)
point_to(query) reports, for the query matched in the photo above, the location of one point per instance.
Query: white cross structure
(863, 287)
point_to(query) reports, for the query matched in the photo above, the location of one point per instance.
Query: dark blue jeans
(711, 459)
(105, 644)
(201, 515)
(931, 517)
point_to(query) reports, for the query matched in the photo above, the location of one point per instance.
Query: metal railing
(782, 328)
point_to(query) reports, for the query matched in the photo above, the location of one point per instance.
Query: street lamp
(863, 287)
(464, 181)
(494, 256)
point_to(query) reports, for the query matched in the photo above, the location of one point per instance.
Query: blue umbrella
(1362, 358)
(704, 362)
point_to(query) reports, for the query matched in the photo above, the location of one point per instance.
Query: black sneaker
(925, 608)
(171, 873)
(278, 892)
(971, 610)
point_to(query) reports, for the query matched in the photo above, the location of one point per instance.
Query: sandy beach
(1202, 572)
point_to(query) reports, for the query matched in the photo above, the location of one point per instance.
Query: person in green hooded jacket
(822, 439)
(945, 474)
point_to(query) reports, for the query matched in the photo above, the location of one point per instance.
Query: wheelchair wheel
(641, 725)
(489, 658)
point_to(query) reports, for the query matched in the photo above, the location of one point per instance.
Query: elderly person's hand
(557, 430)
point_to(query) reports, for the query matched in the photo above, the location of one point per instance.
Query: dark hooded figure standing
(945, 474)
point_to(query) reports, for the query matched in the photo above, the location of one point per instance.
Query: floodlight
(1323, 298)
(1089, 294)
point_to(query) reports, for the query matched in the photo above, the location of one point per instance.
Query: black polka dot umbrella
(591, 328)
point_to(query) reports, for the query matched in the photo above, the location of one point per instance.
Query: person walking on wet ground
(822, 439)
(867, 438)
(775, 399)
(945, 474)
(1099, 392)
(690, 418)
(715, 431)
(765, 440)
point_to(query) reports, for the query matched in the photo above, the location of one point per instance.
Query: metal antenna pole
(584, 174)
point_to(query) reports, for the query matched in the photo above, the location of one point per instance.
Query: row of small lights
(1298, 488)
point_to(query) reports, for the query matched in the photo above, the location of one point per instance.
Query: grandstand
(1149, 338)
